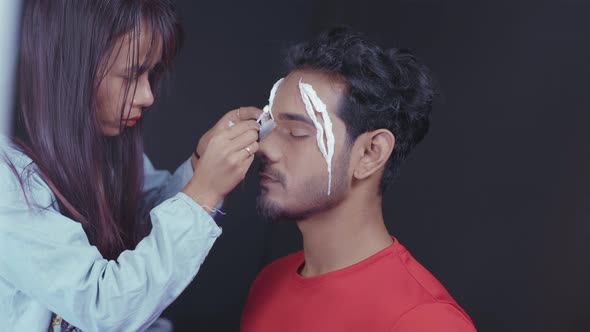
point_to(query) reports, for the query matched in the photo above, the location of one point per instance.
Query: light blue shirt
(47, 264)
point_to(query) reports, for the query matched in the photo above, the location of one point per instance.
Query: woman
(75, 240)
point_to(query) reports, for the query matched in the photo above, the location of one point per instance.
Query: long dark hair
(96, 179)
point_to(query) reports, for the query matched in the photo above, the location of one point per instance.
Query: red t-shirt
(389, 291)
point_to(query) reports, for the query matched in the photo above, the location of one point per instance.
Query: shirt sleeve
(160, 185)
(434, 317)
(47, 256)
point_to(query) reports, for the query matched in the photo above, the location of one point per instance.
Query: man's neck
(345, 235)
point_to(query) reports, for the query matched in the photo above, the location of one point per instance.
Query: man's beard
(315, 196)
(270, 210)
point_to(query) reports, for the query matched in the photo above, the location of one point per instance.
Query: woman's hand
(227, 153)
(235, 116)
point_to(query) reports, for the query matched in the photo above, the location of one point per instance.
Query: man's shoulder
(422, 296)
(439, 316)
(282, 265)
(421, 278)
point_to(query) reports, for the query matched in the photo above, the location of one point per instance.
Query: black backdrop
(494, 202)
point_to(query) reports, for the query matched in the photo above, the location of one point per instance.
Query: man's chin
(267, 208)
(272, 211)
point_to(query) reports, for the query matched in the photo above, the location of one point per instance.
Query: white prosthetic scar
(324, 132)
(266, 119)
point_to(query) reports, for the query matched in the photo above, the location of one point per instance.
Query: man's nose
(269, 151)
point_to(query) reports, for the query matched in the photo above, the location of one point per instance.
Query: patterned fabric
(60, 325)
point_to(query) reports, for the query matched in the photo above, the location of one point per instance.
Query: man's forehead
(289, 100)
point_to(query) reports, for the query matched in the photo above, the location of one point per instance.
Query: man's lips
(266, 176)
(269, 176)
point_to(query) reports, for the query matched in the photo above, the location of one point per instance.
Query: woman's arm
(160, 185)
(47, 256)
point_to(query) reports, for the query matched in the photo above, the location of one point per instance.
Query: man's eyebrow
(296, 117)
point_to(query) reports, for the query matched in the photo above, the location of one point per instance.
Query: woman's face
(126, 85)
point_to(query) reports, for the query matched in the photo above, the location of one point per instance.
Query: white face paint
(311, 101)
(266, 119)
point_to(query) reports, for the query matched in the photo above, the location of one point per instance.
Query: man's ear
(376, 148)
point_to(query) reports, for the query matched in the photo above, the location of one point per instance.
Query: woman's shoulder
(9, 149)
(17, 170)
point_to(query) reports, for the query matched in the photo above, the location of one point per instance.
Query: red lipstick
(132, 121)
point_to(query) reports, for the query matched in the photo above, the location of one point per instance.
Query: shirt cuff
(174, 207)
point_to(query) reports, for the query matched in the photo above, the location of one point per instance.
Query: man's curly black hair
(386, 89)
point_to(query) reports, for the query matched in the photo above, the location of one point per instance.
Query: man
(346, 116)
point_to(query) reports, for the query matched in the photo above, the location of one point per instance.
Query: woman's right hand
(224, 162)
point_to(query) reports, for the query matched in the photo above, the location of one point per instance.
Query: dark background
(495, 201)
